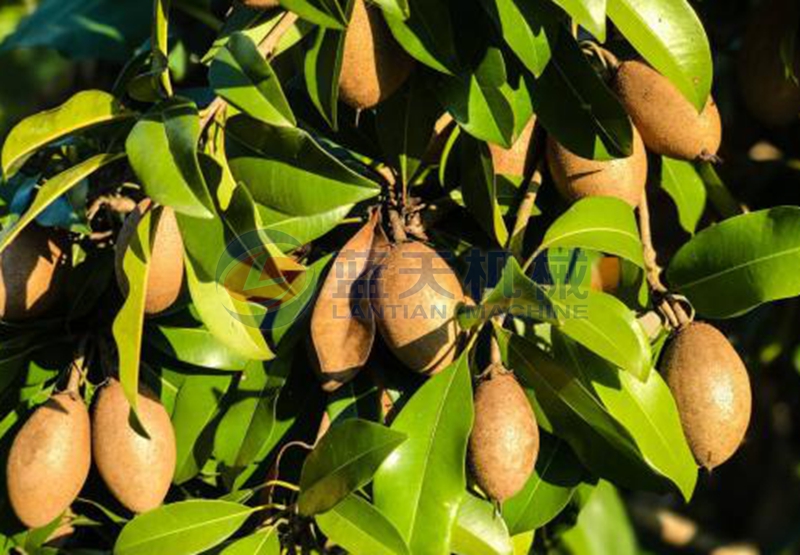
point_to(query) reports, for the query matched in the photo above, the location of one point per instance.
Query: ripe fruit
(712, 390)
(166, 258)
(771, 96)
(576, 177)
(32, 269)
(514, 160)
(505, 438)
(606, 274)
(260, 4)
(668, 122)
(49, 460)
(137, 469)
(415, 296)
(374, 66)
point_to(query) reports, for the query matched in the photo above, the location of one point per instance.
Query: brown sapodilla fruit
(374, 66)
(769, 93)
(415, 295)
(504, 443)
(137, 469)
(669, 124)
(712, 391)
(577, 177)
(515, 160)
(606, 274)
(260, 4)
(32, 270)
(49, 460)
(166, 258)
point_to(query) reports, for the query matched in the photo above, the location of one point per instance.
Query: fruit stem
(495, 355)
(75, 375)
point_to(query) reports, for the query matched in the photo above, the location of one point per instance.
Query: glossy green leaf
(51, 191)
(603, 224)
(395, 8)
(670, 36)
(195, 346)
(322, 66)
(302, 228)
(427, 34)
(344, 460)
(479, 188)
(263, 542)
(578, 109)
(589, 14)
(325, 13)
(183, 528)
(419, 488)
(681, 181)
(241, 75)
(740, 263)
(478, 530)
(547, 491)
(361, 529)
(162, 149)
(645, 408)
(84, 110)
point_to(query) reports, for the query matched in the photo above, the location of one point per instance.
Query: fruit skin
(166, 258)
(514, 160)
(668, 123)
(419, 326)
(606, 274)
(577, 177)
(32, 271)
(712, 390)
(771, 96)
(504, 443)
(49, 460)
(137, 470)
(260, 4)
(374, 66)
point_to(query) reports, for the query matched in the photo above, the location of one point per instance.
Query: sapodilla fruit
(374, 66)
(504, 443)
(515, 160)
(668, 123)
(711, 389)
(415, 295)
(166, 258)
(606, 274)
(769, 93)
(577, 177)
(32, 270)
(137, 469)
(49, 460)
(260, 4)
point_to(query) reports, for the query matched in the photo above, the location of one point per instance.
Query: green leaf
(478, 530)
(241, 75)
(603, 224)
(395, 8)
(263, 542)
(419, 488)
(427, 34)
(162, 149)
(740, 263)
(129, 321)
(530, 28)
(51, 191)
(325, 13)
(361, 529)
(645, 408)
(479, 188)
(343, 461)
(670, 36)
(183, 528)
(589, 14)
(84, 110)
(547, 491)
(195, 346)
(578, 108)
(322, 66)
(196, 407)
(681, 181)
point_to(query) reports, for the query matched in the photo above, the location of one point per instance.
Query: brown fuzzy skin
(771, 96)
(606, 274)
(668, 122)
(137, 470)
(374, 66)
(49, 460)
(419, 326)
(515, 160)
(260, 4)
(166, 259)
(712, 390)
(576, 177)
(32, 272)
(504, 443)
